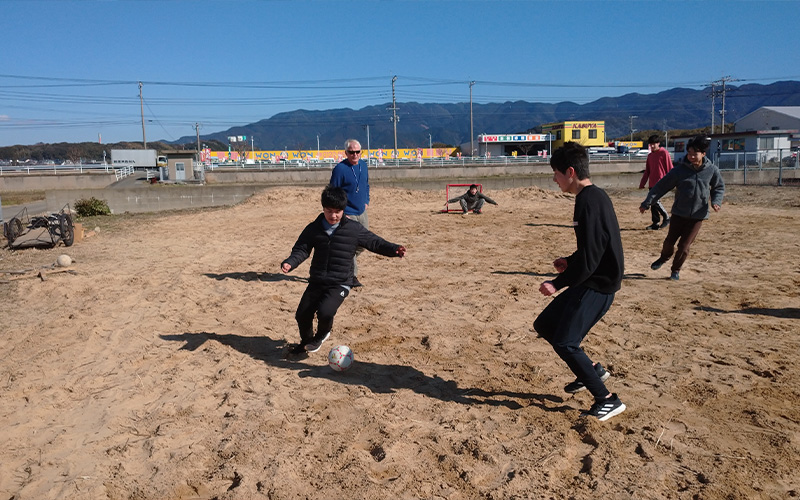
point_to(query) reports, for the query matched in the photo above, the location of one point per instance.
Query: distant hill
(677, 108)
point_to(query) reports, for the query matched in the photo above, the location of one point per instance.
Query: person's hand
(401, 251)
(560, 264)
(285, 267)
(716, 207)
(642, 210)
(547, 288)
(366, 206)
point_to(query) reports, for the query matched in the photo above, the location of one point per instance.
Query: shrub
(92, 206)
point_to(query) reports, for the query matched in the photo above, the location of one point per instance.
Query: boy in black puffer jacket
(334, 240)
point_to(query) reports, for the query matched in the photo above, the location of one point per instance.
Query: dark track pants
(658, 213)
(566, 321)
(323, 301)
(478, 205)
(684, 231)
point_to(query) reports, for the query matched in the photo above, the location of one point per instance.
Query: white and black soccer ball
(340, 358)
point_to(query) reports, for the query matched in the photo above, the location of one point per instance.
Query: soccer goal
(453, 190)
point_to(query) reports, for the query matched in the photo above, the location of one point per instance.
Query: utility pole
(666, 134)
(197, 131)
(471, 132)
(724, 81)
(713, 104)
(369, 152)
(141, 105)
(632, 129)
(394, 116)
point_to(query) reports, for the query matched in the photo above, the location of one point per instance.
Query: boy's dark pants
(478, 205)
(685, 230)
(658, 213)
(323, 301)
(566, 321)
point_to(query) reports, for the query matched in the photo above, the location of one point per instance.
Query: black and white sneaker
(578, 386)
(296, 351)
(665, 223)
(605, 408)
(316, 343)
(657, 264)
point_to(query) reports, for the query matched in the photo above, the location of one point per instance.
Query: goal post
(453, 190)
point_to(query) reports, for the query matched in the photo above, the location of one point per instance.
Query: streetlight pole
(632, 117)
(317, 147)
(430, 142)
(141, 105)
(394, 116)
(471, 132)
(369, 153)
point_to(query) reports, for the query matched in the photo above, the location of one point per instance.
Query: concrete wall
(154, 198)
(321, 175)
(10, 183)
(232, 186)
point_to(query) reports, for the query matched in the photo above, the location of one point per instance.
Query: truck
(136, 158)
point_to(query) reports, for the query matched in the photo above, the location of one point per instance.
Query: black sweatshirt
(598, 263)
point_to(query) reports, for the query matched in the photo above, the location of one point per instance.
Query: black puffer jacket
(332, 263)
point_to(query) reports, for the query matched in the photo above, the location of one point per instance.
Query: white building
(770, 118)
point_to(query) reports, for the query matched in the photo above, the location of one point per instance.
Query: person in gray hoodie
(697, 183)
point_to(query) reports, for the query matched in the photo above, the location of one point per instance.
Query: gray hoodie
(695, 189)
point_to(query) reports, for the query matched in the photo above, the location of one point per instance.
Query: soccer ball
(340, 358)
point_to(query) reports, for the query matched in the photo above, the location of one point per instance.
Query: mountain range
(421, 123)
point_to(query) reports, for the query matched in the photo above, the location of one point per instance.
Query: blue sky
(69, 69)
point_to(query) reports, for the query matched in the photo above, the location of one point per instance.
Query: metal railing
(392, 163)
(123, 172)
(768, 158)
(54, 169)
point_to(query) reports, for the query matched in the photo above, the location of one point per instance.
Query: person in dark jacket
(472, 200)
(592, 275)
(697, 183)
(333, 238)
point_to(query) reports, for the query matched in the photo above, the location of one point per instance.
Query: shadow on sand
(379, 378)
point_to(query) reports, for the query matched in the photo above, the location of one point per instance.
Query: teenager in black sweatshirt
(591, 276)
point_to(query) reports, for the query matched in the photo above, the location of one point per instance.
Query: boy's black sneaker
(578, 386)
(316, 343)
(657, 264)
(653, 227)
(296, 352)
(605, 408)
(476, 212)
(665, 223)
(675, 276)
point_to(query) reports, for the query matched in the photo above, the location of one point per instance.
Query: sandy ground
(156, 370)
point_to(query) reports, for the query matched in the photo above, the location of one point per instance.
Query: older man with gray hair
(352, 175)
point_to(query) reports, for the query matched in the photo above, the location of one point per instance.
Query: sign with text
(513, 138)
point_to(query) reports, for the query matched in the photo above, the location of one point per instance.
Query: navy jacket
(332, 263)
